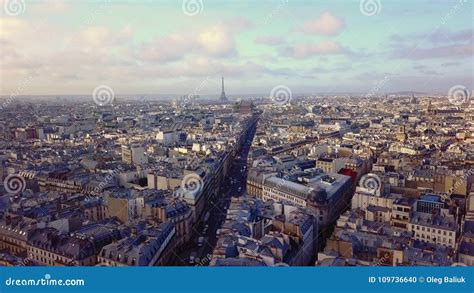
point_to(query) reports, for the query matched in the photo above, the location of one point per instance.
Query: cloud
(270, 40)
(444, 36)
(102, 37)
(425, 70)
(438, 44)
(11, 26)
(326, 24)
(419, 67)
(449, 64)
(457, 51)
(165, 49)
(437, 37)
(213, 41)
(309, 50)
(216, 42)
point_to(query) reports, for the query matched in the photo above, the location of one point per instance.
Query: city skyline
(332, 47)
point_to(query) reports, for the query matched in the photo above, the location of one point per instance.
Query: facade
(49, 247)
(125, 207)
(134, 154)
(149, 247)
(14, 233)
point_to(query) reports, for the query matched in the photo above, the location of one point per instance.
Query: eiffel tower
(223, 97)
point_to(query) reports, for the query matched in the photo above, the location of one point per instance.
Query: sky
(182, 47)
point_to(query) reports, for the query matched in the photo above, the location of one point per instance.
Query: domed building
(326, 194)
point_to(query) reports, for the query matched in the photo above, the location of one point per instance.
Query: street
(234, 185)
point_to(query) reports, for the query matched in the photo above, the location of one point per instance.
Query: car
(200, 241)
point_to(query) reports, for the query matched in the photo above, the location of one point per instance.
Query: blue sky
(172, 47)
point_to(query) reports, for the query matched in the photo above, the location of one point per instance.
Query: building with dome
(326, 194)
